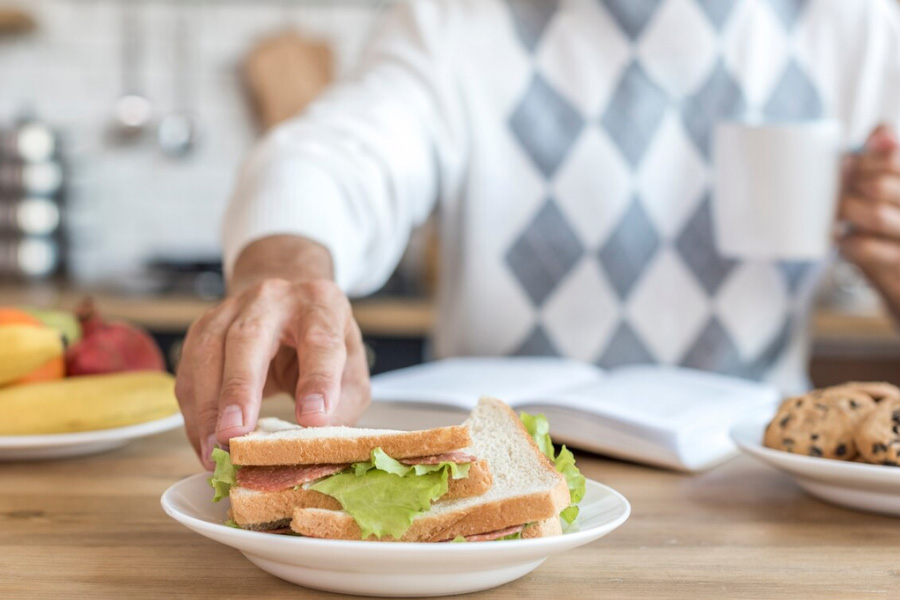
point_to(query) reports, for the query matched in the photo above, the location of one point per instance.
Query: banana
(24, 348)
(86, 403)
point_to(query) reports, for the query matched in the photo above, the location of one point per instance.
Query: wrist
(292, 258)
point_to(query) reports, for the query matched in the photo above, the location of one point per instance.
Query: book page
(667, 398)
(459, 382)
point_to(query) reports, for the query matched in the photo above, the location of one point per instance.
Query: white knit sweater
(565, 145)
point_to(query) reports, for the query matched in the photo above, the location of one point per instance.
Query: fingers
(871, 193)
(874, 164)
(879, 188)
(877, 257)
(877, 166)
(252, 340)
(273, 334)
(880, 218)
(200, 375)
(356, 394)
(319, 337)
(882, 140)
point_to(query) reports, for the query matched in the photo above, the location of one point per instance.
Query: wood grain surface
(93, 528)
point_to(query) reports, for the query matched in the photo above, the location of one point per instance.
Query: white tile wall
(130, 205)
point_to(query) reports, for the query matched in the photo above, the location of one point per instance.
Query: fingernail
(206, 448)
(231, 417)
(314, 403)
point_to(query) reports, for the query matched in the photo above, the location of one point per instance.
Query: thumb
(882, 140)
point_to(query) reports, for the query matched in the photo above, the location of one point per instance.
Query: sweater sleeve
(366, 162)
(871, 79)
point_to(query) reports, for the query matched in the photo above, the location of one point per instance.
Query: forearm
(288, 257)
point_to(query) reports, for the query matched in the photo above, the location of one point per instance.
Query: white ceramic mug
(775, 188)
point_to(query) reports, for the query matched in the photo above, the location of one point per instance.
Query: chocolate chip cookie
(878, 434)
(878, 390)
(822, 423)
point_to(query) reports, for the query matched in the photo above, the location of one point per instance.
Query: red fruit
(111, 347)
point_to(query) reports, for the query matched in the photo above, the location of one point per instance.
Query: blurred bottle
(32, 186)
(29, 216)
(29, 257)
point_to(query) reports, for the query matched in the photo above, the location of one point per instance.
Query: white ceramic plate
(68, 445)
(874, 488)
(391, 569)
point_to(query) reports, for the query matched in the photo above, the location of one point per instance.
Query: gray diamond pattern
(536, 344)
(788, 11)
(634, 113)
(713, 350)
(625, 348)
(545, 252)
(530, 18)
(770, 354)
(795, 97)
(546, 125)
(696, 244)
(795, 272)
(632, 15)
(719, 98)
(628, 251)
(717, 11)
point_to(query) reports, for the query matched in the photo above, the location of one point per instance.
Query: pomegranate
(110, 347)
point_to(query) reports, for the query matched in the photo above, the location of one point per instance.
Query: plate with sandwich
(396, 513)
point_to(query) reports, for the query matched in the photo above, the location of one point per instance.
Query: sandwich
(497, 476)
(529, 494)
(280, 467)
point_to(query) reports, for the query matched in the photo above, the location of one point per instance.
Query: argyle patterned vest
(649, 141)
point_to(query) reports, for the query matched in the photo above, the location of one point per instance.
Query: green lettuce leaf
(384, 496)
(380, 460)
(539, 429)
(224, 475)
(383, 503)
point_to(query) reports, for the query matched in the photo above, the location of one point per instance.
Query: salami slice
(493, 535)
(457, 456)
(274, 479)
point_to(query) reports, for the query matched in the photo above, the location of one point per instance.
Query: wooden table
(93, 528)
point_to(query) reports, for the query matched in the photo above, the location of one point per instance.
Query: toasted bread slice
(277, 442)
(526, 488)
(544, 528)
(253, 509)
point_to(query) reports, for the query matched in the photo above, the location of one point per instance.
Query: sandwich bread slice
(526, 498)
(272, 471)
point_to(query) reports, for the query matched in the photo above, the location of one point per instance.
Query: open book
(665, 416)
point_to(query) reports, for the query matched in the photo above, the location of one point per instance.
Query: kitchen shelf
(388, 317)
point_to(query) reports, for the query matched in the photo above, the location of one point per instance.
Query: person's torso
(584, 227)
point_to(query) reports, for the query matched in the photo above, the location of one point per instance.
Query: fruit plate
(82, 443)
(399, 569)
(873, 488)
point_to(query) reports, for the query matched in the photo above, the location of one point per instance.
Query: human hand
(870, 205)
(276, 336)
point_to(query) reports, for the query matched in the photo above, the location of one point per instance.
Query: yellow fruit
(86, 403)
(24, 348)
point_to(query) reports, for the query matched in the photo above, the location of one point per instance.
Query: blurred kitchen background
(122, 126)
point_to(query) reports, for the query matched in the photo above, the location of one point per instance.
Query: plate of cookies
(841, 444)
